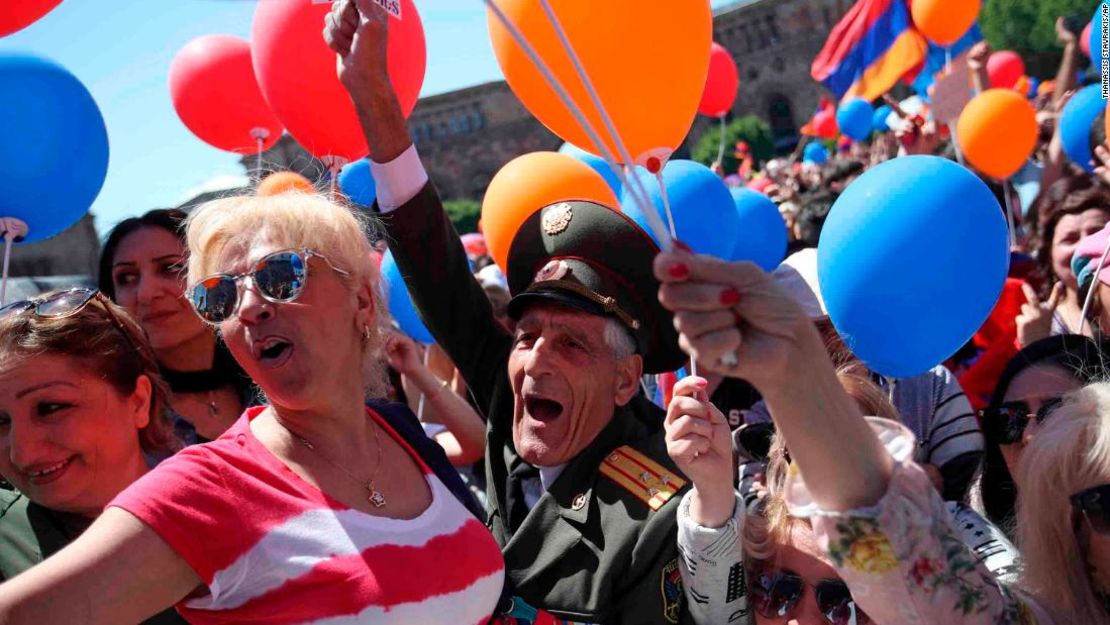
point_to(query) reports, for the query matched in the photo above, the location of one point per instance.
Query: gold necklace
(375, 496)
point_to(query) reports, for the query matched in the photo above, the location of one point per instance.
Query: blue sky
(121, 50)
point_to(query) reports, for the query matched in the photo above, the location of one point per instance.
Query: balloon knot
(12, 229)
(653, 165)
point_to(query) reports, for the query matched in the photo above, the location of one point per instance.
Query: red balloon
(721, 85)
(1085, 39)
(215, 94)
(296, 71)
(1005, 68)
(19, 14)
(825, 124)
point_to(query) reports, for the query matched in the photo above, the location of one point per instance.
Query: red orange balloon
(997, 132)
(215, 94)
(1005, 68)
(18, 14)
(647, 59)
(297, 73)
(721, 85)
(529, 183)
(944, 21)
(284, 182)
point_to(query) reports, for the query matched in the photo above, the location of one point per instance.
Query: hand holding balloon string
(699, 440)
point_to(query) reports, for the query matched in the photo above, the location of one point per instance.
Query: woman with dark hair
(1030, 386)
(1072, 208)
(142, 269)
(82, 415)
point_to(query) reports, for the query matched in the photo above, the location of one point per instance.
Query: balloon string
(258, 161)
(632, 183)
(948, 60)
(1091, 292)
(1007, 187)
(674, 236)
(420, 402)
(721, 151)
(8, 239)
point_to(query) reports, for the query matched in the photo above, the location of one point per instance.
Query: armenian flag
(870, 50)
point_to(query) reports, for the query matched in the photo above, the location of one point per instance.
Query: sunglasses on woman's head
(66, 304)
(279, 277)
(776, 593)
(1094, 505)
(1006, 423)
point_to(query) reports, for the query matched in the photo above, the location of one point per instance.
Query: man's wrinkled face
(566, 382)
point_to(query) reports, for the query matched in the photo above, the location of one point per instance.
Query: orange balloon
(944, 21)
(647, 59)
(283, 182)
(529, 183)
(998, 132)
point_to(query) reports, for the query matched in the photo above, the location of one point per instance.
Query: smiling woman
(81, 404)
(224, 529)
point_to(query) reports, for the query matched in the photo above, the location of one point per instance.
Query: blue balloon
(54, 146)
(856, 119)
(1076, 120)
(912, 260)
(596, 163)
(357, 183)
(400, 303)
(704, 214)
(762, 235)
(878, 120)
(815, 153)
(1095, 39)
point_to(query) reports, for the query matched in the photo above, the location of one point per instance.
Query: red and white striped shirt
(274, 549)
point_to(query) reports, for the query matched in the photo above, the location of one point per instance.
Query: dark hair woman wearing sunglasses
(320, 507)
(1028, 390)
(142, 268)
(81, 417)
(876, 519)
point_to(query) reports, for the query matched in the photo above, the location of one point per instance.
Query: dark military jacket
(600, 545)
(30, 533)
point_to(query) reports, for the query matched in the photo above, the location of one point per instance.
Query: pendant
(376, 497)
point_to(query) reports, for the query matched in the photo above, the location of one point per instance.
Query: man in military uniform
(583, 495)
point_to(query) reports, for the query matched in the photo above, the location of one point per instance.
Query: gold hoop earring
(366, 332)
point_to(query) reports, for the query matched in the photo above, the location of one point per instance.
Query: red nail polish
(679, 271)
(730, 297)
(682, 246)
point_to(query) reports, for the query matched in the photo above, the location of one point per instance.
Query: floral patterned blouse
(903, 559)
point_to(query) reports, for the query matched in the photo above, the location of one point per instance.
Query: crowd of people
(232, 430)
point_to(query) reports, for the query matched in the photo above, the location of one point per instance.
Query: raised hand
(733, 319)
(358, 31)
(699, 440)
(1035, 320)
(403, 354)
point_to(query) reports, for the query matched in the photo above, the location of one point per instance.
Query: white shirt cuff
(399, 180)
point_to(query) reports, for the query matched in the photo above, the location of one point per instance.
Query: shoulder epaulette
(649, 481)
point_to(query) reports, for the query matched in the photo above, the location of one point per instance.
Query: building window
(781, 115)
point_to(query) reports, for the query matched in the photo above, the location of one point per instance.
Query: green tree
(464, 214)
(748, 128)
(1028, 27)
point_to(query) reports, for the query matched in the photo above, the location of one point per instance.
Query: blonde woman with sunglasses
(321, 507)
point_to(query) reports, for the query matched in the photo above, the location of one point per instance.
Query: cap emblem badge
(553, 270)
(557, 219)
